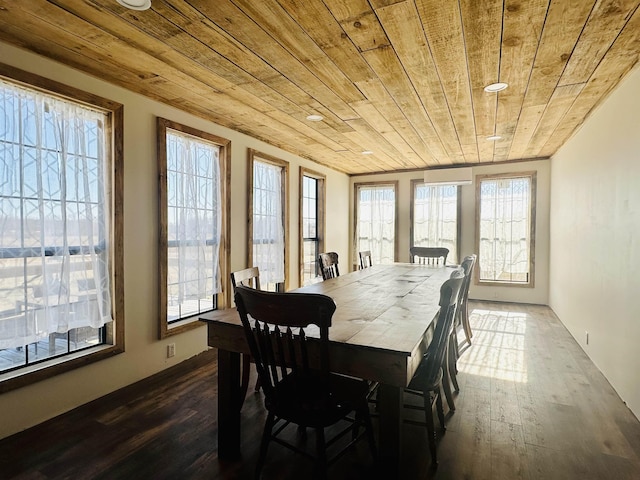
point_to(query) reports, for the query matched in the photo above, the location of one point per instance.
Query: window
(434, 217)
(375, 222)
(311, 224)
(268, 236)
(506, 228)
(60, 229)
(193, 224)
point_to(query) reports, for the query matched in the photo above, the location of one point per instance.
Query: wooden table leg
(228, 404)
(390, 404)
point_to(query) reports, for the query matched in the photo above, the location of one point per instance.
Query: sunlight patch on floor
(498, 345)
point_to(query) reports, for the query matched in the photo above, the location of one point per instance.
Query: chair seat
(305, 400)
(426, 377)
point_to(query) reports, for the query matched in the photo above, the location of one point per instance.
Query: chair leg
(446, 387)
(244, 382)
(366, 418)
(439, 409)
(264, 444)
(452, 362)
(465, 323)
(431, 429)
(321, 452)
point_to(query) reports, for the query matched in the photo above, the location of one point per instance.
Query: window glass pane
(435, 218)
(505, 229)
(193, 224)
(310, 229)
(55, 284)
(268, 223)
(375, 229)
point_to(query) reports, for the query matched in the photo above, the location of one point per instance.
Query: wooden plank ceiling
(402, 79)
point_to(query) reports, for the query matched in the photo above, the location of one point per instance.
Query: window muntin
(59, 179)
(376, 225)
(435, 211)
(268, 237)
(311, 225)
(192, 212)
(506, 229)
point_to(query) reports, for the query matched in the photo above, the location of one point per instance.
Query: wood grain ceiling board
(403, 26)
(562, 28)
(482, 26)
(445, 36)
(403, 78)
(522, 29)
(622, 57)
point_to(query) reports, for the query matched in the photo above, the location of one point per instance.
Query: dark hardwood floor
(531, 406)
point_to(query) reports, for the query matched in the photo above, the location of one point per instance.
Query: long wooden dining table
(381, 328)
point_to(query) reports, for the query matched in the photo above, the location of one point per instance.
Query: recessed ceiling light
(494, 137)
(367, 152)
(495, 87)
(315, 118)
(135, 4)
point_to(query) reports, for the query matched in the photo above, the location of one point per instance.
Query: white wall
(145, 354)
(536, 295)
(595, 238)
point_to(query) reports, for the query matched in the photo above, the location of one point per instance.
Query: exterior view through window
(376, 221)
(506, 219)
(268, 240)
(312, 226)
(435, 217)
(55, 227)
(192, 208)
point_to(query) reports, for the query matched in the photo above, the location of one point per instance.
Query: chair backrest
(274, 326)
(328, 264)
(431, 255)
(249, 277)
(365, 259)
(437, 349)
(467, 265)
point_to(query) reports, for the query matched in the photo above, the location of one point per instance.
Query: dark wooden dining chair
(295, 371)
(429, 255)
(365, 259)
(468, 264)
(462, 317)
(428, 379)
(249, 277)
(328, 264)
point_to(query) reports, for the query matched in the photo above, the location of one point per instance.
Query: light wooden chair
(328, 264)
(429, 255)
(365, 259)
(249, 277)
(295, 372)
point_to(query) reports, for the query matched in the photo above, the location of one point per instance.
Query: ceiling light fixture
(367, 152)
(495, 87)
(494, 137)
(135, 4)
(315, 118)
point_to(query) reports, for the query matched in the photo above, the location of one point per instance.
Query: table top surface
(387, 307)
